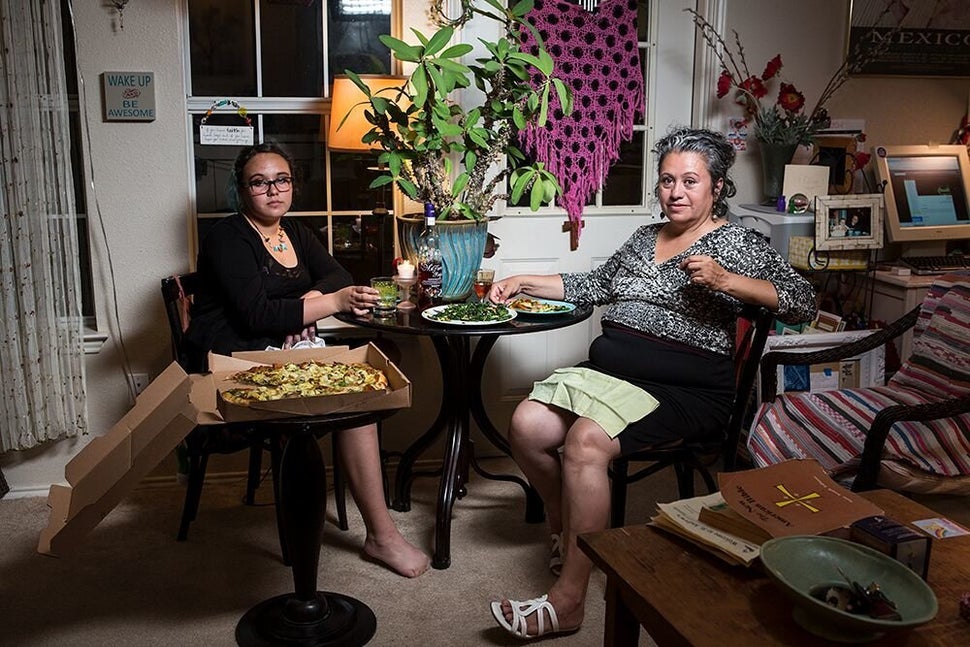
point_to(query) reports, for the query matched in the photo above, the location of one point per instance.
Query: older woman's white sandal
(522, 610)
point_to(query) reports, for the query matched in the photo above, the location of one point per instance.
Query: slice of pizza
(306, 379)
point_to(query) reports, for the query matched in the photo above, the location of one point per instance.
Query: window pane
(222, 48)
(351, 175)
(624, 184)
(352, 28)
(292, 49)
(300, 136)
(213, 167)
(364, 245)
(643, 16)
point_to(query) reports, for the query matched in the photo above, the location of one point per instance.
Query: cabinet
(893, 296)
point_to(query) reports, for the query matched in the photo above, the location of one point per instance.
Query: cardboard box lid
(110, 466)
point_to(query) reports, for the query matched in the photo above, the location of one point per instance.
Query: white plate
(569, 307)
(429, 312)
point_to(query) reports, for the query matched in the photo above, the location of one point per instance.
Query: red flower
(723, 84)
(861, 159)
(754, 86)
(772, 68)
(790, 99)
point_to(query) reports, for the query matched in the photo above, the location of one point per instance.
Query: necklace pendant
(282, 247)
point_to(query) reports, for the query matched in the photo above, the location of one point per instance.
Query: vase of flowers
(781, 124)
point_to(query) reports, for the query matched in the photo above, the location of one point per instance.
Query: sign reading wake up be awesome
(128, 96)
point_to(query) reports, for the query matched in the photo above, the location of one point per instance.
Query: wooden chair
(202, 442)
(912, 434)
(686, 458)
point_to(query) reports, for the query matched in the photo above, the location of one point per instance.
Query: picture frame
(837, 153)
(848, 222)
(928, 38)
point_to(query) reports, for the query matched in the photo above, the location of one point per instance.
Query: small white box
(777, 227)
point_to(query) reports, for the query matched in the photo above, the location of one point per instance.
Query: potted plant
(461, 158)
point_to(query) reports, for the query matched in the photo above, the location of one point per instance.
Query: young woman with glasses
(264, 281)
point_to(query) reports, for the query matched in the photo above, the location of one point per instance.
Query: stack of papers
(683, 518)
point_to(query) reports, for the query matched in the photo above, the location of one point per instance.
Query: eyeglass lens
(281, 184)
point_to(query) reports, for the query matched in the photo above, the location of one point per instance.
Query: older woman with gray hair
(662, 368)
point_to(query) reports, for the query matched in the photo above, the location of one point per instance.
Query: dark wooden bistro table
(462, 365)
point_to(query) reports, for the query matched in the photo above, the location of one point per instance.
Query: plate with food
(469, 314)
(543, 307)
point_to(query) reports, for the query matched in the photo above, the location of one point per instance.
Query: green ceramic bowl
(801, 564)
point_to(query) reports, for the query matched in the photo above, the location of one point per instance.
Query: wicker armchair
(911, 434)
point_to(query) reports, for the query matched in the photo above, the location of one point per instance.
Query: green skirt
(610, 402)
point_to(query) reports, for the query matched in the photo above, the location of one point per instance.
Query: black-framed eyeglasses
(281, 184)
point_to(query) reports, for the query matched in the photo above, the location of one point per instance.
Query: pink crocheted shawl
(596, 55)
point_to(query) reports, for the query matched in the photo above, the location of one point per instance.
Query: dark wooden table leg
(454, 462)
(405, 468)
(306, 616)
(622, 628)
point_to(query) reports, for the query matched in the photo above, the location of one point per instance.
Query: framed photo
(828, 322)
(848, 221)
(836, 152)
(925, 37)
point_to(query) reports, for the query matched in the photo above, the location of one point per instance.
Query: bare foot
(568, 613)
(398, 554)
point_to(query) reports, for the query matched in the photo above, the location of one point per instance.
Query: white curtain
(41, 333)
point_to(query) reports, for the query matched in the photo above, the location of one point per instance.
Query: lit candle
(405, 269)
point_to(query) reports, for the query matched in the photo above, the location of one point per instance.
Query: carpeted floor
(131, 583)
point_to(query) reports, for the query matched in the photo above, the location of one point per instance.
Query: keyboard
(936, 264)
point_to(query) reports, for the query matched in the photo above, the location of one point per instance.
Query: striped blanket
(830, 426)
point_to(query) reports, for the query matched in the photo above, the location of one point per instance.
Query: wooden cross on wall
(573, 227)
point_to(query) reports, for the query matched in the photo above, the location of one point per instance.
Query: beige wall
(141, 172)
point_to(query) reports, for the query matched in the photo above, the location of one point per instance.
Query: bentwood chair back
(686, 458)
(177, 293)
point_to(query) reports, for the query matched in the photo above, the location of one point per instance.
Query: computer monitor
(927, 195)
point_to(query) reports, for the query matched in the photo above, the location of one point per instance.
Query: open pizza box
(111, 465)
(398, 394)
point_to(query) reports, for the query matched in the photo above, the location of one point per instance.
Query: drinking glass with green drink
(386, 294)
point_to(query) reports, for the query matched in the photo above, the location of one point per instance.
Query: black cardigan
(246, 300)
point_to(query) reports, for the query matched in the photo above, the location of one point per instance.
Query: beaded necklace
(279, 247)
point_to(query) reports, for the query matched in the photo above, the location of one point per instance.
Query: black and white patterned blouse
(659, 299)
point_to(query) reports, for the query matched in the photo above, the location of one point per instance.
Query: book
(721, 516)
(791, 498)
(794, 497)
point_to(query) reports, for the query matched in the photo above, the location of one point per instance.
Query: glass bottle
(430, 268)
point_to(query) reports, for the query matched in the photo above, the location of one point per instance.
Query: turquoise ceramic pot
(462, 246)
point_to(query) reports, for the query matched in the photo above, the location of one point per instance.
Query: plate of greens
(469, 314)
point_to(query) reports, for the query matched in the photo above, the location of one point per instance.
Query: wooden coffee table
(682, 595)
